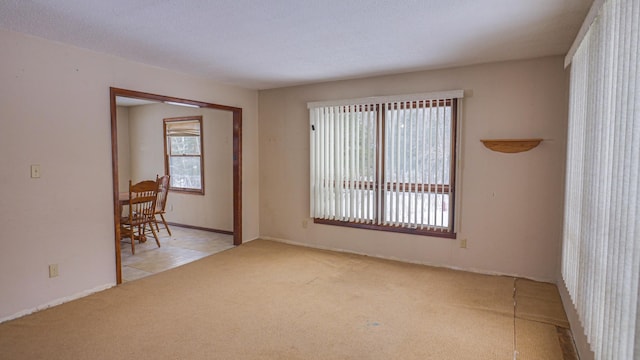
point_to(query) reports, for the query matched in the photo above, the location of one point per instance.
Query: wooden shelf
(511, 145)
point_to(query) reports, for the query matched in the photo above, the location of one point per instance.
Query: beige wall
(124, 157)
(511, 204)
(214, 210)
(54, 109)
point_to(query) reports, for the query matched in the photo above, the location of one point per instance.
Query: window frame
(449, 189)
(167, 155)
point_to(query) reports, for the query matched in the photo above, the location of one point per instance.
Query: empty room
(320, 180)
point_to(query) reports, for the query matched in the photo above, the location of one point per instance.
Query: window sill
(186, 191)
(422, 232)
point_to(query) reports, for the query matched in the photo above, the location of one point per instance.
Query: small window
(184, 154)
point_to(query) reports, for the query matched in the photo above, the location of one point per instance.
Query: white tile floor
(184, 246)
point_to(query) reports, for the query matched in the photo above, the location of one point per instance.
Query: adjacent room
(192, 226)
(329, 180)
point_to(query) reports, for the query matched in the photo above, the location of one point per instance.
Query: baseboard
(473, 270)
(95, 289)
(58, 302)
(201, 228)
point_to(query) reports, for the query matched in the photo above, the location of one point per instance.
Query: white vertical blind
(601, 245)
(384, 161)
(419, 153)
(343, 162)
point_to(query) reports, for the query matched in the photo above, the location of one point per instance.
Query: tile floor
(183, 246)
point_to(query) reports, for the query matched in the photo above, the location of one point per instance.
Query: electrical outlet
(53, 270)
(304, 224)
(35, 171)
(463, 243)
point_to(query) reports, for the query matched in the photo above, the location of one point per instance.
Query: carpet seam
(515, 344)
(541, 322)
(556, 326)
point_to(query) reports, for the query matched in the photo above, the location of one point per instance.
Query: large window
(385, 163)
(601, 245)
(183, 154)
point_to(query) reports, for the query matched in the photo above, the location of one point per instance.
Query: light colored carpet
(538, 301)
(266, 300)
(539, 313)
(537, 341)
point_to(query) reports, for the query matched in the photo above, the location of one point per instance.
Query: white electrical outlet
(35, 171)
(53, 270)
(304, 224)
(463, 243)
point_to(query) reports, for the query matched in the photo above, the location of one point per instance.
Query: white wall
(214, 210)
(54, 109)
(511, 203)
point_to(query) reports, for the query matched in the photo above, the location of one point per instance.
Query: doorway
(236, 114)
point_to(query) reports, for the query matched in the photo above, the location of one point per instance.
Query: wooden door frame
(237, 160)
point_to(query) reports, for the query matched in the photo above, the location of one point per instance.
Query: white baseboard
(58, 302)
(68, 298)
(246, 241)
(473, 270)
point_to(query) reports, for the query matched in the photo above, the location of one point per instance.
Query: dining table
(123, 198)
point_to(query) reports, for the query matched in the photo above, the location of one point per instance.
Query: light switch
(35, 171)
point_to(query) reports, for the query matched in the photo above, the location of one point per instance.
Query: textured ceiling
(274, 43)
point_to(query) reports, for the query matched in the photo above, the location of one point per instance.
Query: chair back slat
(142, 199)
(142, 205)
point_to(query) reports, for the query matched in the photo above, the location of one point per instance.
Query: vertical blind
(386, 161)
(601, 240)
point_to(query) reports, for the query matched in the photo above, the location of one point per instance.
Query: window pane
(428, 209)
(358, 204)
(185, 172)
(365, 145)
(185, 145)
(418, 145)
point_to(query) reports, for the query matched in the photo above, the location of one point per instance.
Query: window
(183, 154)
(601, 240)
(385, 163)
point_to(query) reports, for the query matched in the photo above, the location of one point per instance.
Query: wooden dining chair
(142, 204)
(161, 204)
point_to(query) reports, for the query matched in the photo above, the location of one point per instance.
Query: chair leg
(130, 235)
(133, 240)
(155, 235)
(165, 224)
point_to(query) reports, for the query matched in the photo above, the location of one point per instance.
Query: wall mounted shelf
(511, 145)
